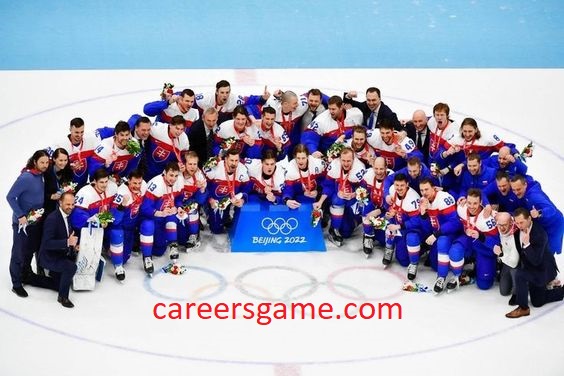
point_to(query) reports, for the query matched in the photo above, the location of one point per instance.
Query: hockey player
(473, 140)
(480, 237)
(126, 210)
(476, 175)
(334, 124)
(194, 195)
(542, 209)
(373, 182)
(343, 178)
(228, 185)
(289, 110)
(246, 138)
(439, 208)
(506, 162)
(174, 105)
(225, 101)
(395, 149)
(272, 134)
(113, 156)
(166, 143)
(267, 178)
(163, 200)
(80, 148)
(441, 148)
(304, 177)
(403, 214)
(358, 143)
(414, 171)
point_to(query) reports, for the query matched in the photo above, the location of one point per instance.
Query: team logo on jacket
(160, 154)
(135, 209)
(119, 166)
(79, 166)
(221, 190)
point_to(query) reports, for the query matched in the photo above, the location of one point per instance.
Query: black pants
(539, 294)
(62, 274)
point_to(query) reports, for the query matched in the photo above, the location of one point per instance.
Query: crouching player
(194, 194)
(267, 178)
(439, 208)
(403, 214)
(480, 237)
(126, 208)
(229, 184)
(162, 202)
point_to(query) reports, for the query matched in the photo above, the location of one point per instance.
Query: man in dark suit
(201, 135)
(59, 247)
(373, 109)
(537, 266)
(420, 133)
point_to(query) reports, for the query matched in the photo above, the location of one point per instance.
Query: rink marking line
(272, 363)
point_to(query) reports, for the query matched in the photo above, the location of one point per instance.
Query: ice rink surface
(112, 329)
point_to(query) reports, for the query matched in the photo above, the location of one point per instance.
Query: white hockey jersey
(275, 182)
(307, 179)
(442, 207)
(163, 195)
(346, 182)
(375, 187)
(207, 100)
(375, 140)
(441, 137)
(164, 145)
(190, 184)
(485, 225)
(130, 200)
(189, 116)
(269, 136)
(106, 149)
(90, 199)
(325, 125)
(365, 154)
(407, 206)
(78, 154)
(221, 184)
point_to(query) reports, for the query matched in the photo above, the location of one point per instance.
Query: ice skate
(173, 251)
(148, 266)
(120, 273)
(335, 237)
(453, 284)
(439, 285)
(193, 242)
(388, 255)
(411, 271)
(367, 245)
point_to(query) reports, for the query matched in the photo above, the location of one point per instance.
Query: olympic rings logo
(279, 225)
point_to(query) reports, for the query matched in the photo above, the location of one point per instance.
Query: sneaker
(335, 237)
(411, 271)
(439, 285)
(120, 273)
(173, 251)
(148, 265)
(193, 241)
(453, 284)
(367, 244)
(388, 255)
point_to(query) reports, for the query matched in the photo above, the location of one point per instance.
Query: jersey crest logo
(119, 166)
(160, 154)
(79, 166)
(221, 190)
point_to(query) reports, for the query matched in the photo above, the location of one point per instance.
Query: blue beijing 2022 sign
(275, 228)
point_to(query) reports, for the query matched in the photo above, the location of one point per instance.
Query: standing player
(359, 144)
(289, 111)
(334, 124)
(174, 105)
(80, 148)
(304, 177)
(395, 149)
(246, 138)
(166, 143)
(112, 154)
(272, 134)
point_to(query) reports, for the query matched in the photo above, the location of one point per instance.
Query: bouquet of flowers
(105, 218)
(32, 217)
(316, 216)
(167, 90)
(68, 187)
(435, 170)
(191, 207)
(133, 147)
(414, 287)
(223, 203)
(379, 223)
(527, 151)
(228, 143)
(334, 150)
(211, 163)
(361, 195)
(175, 269)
